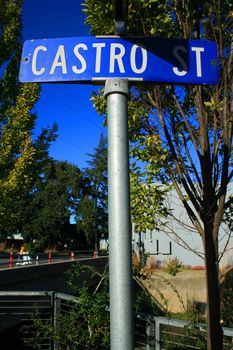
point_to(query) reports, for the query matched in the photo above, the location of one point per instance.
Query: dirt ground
(177, 293)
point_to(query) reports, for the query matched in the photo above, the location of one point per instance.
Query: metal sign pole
(120, 268)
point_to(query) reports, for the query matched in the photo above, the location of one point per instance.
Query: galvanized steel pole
(121, 318)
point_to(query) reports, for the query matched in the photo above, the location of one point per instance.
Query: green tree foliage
(91, 215)
(20, 155)
(61, 191)
(186, 131)
(48, 207)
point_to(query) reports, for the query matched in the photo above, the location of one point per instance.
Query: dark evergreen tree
(46, 217)
(91, 215)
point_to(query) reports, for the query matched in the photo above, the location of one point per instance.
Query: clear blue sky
(67, 104)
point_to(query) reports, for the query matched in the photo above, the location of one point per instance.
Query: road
(42, 258)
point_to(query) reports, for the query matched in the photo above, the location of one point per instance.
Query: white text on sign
(116, 60)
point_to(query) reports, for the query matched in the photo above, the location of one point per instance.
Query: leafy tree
(91, 214)
(191, 126)
(48, 207)
(20, 155)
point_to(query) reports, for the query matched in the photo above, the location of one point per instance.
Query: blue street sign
(95, 59)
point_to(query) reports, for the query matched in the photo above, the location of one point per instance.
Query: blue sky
(67, 104)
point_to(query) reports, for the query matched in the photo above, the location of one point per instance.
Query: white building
(177, 238)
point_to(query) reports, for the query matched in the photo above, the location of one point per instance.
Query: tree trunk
(214, 328)
(96, 242)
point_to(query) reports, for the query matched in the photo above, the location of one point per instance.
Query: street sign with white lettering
(95, 59)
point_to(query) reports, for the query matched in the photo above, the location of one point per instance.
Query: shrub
(85, 325)
(172, 266)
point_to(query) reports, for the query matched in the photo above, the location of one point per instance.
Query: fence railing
(17, 310)
(160, 333)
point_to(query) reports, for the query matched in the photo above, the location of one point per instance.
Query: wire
(75, 97)
(73, 109)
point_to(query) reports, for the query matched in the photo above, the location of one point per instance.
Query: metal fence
(161, 333)
(18, 309)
